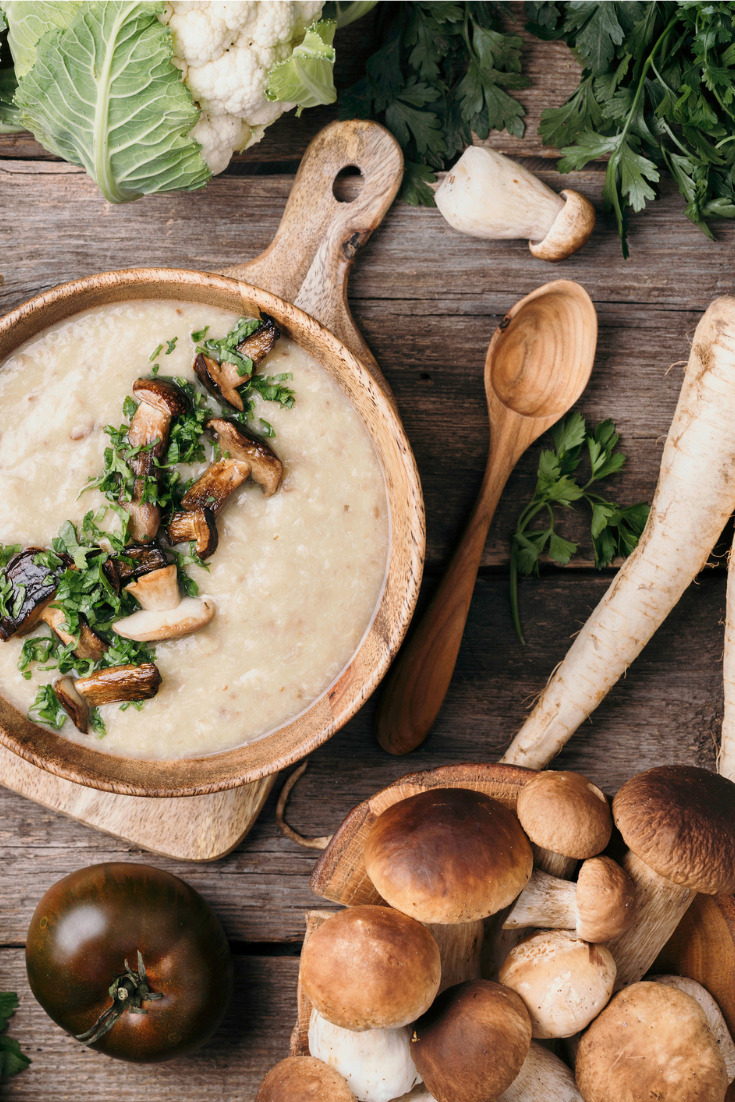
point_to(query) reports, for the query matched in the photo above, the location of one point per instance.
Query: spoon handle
(417, 684)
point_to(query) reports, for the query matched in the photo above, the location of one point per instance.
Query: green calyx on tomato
(93, 920)
(128, 992)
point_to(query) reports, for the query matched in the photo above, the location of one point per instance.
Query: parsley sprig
(615, 530)
(12, 1060)
(657, 92)
(440, 74)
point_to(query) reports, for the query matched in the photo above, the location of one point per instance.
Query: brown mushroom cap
(33, 588)
(650, 1042)
(448, 855)
(680, 821)
(469, 1047)
(164, 396)
(564, 981)
(605, 899)
(198, 526)
(370, 968)
(565, 813)
(303, 1079)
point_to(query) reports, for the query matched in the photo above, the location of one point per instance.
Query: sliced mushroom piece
(215, 486)
(598, 906)
(89, 644)
(197, 525)
(158, 590)
(266, 467)
(160, 401)
(33, 588)
(150, 626)
(137, 561)
(116, 684)
(223, 379)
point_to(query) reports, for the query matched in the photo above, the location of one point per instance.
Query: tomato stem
(128, 992)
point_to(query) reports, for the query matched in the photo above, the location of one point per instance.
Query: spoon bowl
(538, 363)
(540, 357)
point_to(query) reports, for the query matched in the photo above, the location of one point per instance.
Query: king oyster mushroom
(223, 379)
(163, 612)
(160, 401)
(88, 643)
(136, 561)
(265, 467)
(197, 526)
(116, 684)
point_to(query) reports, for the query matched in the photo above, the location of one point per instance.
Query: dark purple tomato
(173, 992)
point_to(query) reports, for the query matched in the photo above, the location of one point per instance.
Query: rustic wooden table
(427, 300)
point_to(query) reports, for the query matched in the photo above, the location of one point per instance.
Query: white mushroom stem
(713, 1014)
(163, 614)
(488, 195)
(460, 948)
(546, 901)
(376, 1063)
(543, 1078)
(726, 757)
(660, 906)
(553, 863)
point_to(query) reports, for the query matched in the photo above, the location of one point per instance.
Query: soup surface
(296, 577)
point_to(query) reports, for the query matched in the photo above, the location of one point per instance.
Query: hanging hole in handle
(348, 184)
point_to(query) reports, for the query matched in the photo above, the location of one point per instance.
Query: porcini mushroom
(33, 586)
(88, 643)
(212, 489)
(543, 1078)
(160, 401)
(448, 855)
(460, 950)
(597, 907)
(567, 819)
(196, 526)
(164, 613)
(713, 1014)
(137, 561)
(488, 195)
(370, 968)
(564, 982)
(651, 1042)
(679, 826)
(222, 380)
(303, 1079)
(471, 1044)
(376, 1063)
(115, 684)
(265, 467)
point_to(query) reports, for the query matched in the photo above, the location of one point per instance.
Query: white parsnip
(694, 497)
(726, 758)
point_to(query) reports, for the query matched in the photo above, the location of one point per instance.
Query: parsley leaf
(614, 530)
(46, 708)
(442, 72)
(656, 94)
(12, 1060)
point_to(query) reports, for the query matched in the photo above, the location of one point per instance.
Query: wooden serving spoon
(538, 363)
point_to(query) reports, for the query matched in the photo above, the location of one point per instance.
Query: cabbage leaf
(104, 93)
(306, 78)
(27, 23)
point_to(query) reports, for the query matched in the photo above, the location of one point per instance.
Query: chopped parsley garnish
(170, 345)
(225, 349)
(155, 353)
(46, 708)
(12, 1060)
(199, 334)
(7, 551)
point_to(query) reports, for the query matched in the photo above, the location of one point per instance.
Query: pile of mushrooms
(144, 570)
(401, 1011)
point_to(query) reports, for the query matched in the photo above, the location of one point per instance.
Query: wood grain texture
(538, 364)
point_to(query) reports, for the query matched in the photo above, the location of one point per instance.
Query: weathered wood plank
(253, 1037)
(427, 300)
(667, 709)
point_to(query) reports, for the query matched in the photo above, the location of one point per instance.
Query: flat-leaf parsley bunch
(657, 92)
(562, 480)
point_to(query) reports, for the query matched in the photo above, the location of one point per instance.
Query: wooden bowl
(197, 776)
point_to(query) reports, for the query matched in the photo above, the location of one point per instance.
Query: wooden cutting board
(308, 263)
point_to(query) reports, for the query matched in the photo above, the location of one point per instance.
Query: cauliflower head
(225, 52)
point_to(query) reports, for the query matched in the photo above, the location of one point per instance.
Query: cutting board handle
(309, 260)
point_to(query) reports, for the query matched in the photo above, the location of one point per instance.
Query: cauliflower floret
(225, 51)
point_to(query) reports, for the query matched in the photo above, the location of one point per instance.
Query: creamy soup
(296, 577)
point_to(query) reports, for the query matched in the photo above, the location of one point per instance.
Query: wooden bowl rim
(196, 776)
